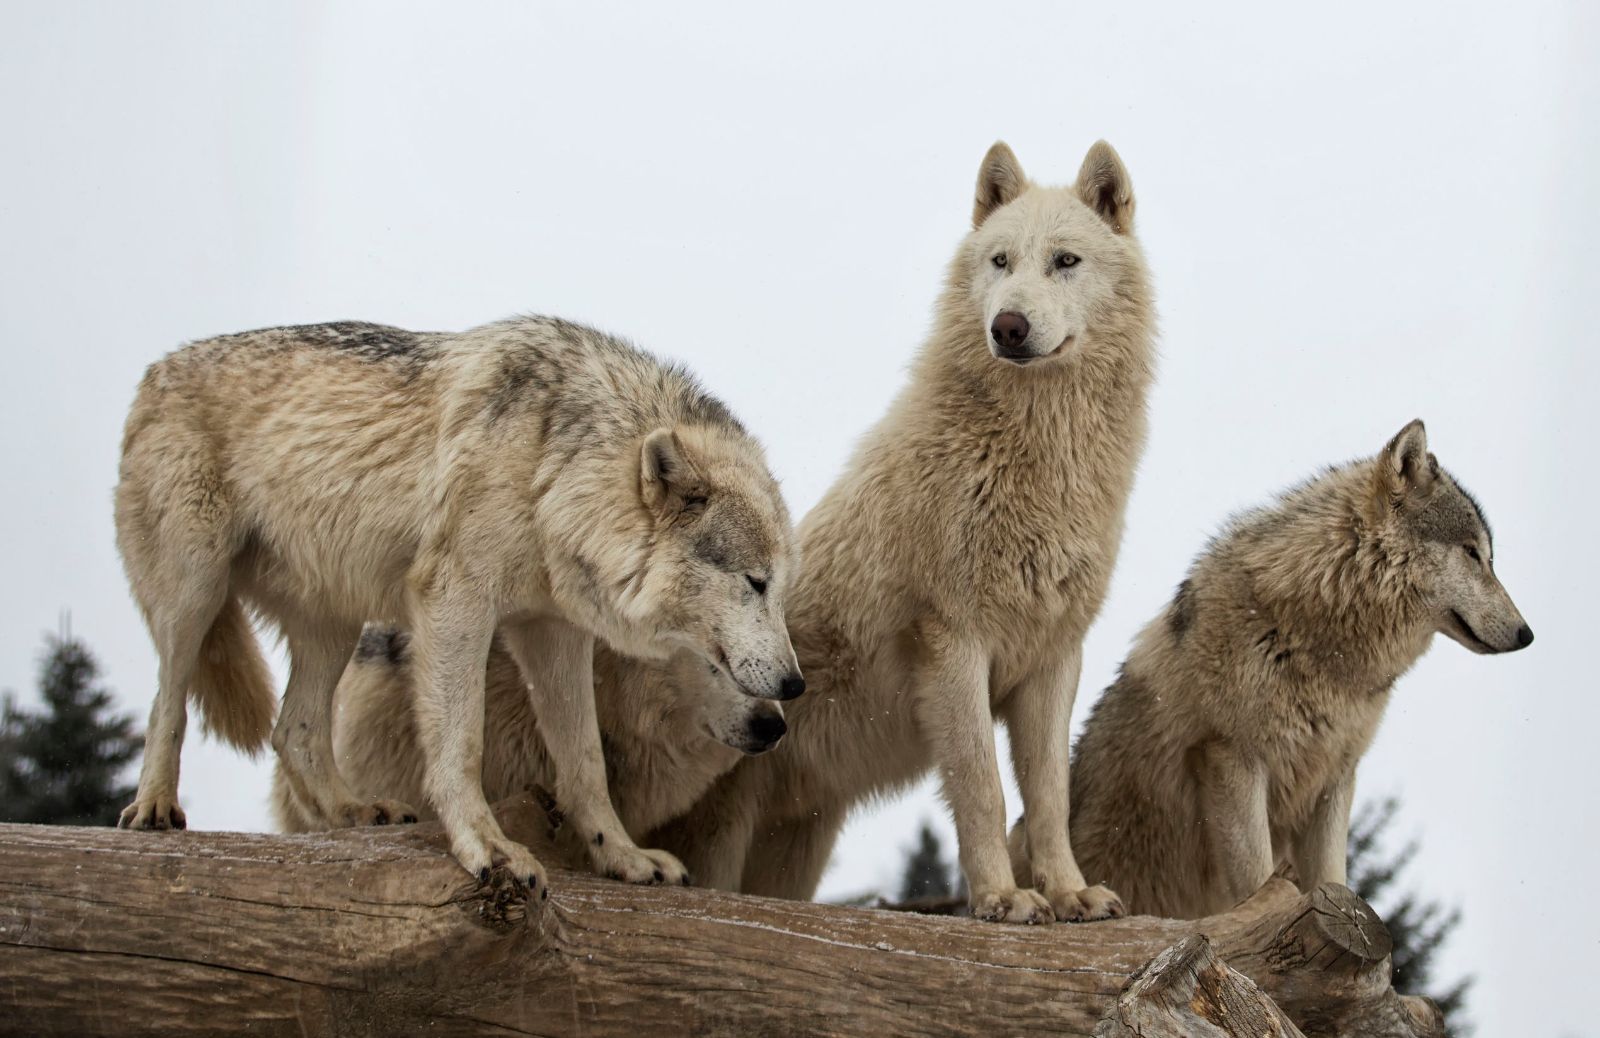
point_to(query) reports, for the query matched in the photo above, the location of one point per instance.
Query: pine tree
(1419, 928)
(64, 765)
(926, 873)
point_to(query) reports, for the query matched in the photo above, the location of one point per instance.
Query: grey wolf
(1229, 742)
(667, 732)
(531, 478)
(952, 570)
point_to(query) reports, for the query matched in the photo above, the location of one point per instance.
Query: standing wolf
(951, 573)
(668, 732)
(530, 477)
(1230, 741)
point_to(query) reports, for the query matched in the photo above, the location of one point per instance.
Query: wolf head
(720, 558)
(1425, 517)
(721, 710)
(1045, 267)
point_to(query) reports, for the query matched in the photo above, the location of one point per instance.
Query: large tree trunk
(378, 931)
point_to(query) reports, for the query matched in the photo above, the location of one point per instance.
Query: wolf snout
(1524, 637)
(1010, 331)
(765, 729)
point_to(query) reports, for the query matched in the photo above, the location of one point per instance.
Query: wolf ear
(1105, 187)
(668, 481)
(1000, 179)
(1406, 471)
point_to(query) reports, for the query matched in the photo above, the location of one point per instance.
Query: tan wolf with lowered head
(531, 478)
(952, 571)
(667, 731)
(1229, 742)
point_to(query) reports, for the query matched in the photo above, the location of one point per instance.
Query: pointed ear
(1406, 471)
(668, 481)
(1000, 179)
(1104, 186)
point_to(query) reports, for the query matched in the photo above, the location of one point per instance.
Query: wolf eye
(1472, 553)
(999, 260)
(694, 502)
(1066, 260)
(757, 583)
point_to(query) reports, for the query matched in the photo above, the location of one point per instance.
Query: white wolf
(952, 571)
(530, 477)
(1230, 741)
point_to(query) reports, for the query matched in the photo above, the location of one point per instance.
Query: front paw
(1087, 905)
(1017, 905)
(637, 865)
(153, 812)
(479, 856)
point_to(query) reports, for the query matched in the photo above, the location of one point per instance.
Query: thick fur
(662, 748)
(1229, 743)
(952, 571)
(530, 477)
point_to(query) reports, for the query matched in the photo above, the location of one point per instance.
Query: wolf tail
(232, 687)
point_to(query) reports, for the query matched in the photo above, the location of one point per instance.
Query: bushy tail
(232, 687)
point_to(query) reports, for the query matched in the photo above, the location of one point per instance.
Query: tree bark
(378, 931)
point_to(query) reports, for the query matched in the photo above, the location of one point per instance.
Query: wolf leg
(951, 700)
(179, 623)
(303, 737)
(1038, 717)
(1233, 802)
(451, 630)
(557, 662)
(1320, 850)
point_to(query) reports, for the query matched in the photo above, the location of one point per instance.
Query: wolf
(1229, 743)
(953, 569)
(532, 478)
(668, 732)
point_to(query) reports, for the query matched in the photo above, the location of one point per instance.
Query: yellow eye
(1067, 260)
(1472, 553)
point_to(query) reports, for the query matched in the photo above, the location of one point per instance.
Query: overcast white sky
(1355, 217)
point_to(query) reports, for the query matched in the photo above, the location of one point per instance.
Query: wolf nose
(766, 729)
(1524, 636)
(791, 687)
(1010, 330)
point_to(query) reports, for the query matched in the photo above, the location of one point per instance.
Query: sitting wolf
(668, 732)
(1229, 742)
(530, 479)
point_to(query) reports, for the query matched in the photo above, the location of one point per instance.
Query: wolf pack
(531, 556)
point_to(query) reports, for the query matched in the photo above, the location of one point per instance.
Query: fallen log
(378, 931)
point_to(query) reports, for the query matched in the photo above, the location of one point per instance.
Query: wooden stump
(1187, 992)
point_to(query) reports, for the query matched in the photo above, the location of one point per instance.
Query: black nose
(1524, 636)
(792, 687)
(767, 728)
(1010, 330)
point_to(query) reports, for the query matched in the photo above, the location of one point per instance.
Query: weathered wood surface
(1188, 992)
(378, 932)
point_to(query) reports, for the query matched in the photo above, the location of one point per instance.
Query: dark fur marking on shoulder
(1181, 615)
(389, 644)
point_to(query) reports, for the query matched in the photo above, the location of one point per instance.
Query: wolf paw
(501, 853)
(1087, 905)
(1018, 905)
(156, 812)
(373, 812)
(636, 865)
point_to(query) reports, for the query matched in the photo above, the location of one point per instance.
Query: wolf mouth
(1471, 634)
